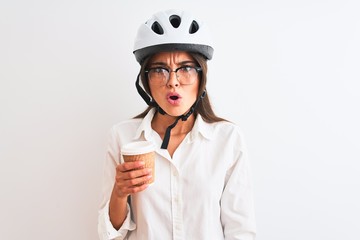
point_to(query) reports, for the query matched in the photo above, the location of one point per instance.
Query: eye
(158, 70)
(186, 69)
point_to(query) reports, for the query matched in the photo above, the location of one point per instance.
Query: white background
(287, 72)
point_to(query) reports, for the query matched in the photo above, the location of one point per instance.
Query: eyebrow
(165, 65)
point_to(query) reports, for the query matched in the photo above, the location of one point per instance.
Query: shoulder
(126, 128)
(227, 132)
(129, 123)
(226, 128)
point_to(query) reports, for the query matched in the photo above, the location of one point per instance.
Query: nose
(173, 81)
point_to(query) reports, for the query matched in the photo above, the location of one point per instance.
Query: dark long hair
(204, 107)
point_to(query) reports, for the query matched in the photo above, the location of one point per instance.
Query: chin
(175, 112)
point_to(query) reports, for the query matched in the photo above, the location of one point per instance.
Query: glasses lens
(158, 76)
(186, 75)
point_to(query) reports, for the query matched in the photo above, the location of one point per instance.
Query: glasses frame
(197, 69)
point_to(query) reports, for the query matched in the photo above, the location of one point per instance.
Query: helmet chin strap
(152, 103)
(149, 101)
(183, 117)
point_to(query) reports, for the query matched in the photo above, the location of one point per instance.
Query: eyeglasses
(159, 76)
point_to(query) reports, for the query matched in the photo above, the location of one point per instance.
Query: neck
(160, 123)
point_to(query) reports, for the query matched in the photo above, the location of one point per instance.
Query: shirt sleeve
(237, 204)
(105, 229)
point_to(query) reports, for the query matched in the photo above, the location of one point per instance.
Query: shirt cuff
(110, 232)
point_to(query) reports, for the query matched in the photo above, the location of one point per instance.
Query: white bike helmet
(172, 30)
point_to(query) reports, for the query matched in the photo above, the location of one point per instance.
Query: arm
(237, 206)
(128, 181)
(114, 219)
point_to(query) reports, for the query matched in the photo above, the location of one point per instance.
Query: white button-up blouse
(203, 192)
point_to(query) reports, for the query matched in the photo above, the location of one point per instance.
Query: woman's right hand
(131, 177)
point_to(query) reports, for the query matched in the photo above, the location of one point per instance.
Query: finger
(134, 182)
(133, 186)
(138, 188)
(135, 189)
(136, 173)
(128, 166)
(123, 176)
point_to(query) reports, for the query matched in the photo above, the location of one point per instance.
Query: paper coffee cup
(140, 151)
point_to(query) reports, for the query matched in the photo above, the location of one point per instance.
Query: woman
(203, 185)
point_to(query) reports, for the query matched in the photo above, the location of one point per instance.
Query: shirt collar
(201, 128)
(145, 126)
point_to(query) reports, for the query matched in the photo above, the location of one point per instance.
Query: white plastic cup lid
(138, 147)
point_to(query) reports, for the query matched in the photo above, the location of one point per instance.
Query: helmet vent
(156, 27)
(194, 27)
(175, 20)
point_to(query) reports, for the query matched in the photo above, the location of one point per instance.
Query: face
(173, 97)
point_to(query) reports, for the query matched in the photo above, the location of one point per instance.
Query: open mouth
(174, 97)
